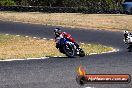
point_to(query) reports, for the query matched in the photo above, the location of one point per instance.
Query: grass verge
(12, 47)
(112, 22)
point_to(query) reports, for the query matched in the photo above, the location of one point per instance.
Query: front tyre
(69, 51)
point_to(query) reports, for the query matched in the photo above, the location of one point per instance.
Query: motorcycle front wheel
(69, 51)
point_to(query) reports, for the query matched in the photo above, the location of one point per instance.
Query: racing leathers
(65, 35)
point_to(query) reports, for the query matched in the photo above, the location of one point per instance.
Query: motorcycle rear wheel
(81, 53)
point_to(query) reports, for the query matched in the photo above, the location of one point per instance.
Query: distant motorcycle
(128, 40)
(69, 49)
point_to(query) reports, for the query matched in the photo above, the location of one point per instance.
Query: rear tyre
(69, 51)
(130, 48)
(81, 53)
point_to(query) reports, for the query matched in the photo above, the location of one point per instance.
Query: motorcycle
(128, 41)
(69, 49)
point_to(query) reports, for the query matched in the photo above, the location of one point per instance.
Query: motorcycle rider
(59, 34)
(126, 34)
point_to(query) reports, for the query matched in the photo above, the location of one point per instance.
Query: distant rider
(126, 34)
(59, 34)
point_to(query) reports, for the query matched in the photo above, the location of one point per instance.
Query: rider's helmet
(126, 32)
(57, 31)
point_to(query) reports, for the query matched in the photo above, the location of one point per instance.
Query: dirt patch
(111, 22)
(13, 47)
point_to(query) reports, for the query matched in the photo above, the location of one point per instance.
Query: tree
(7, 3)
(49, 3)
(91, 4)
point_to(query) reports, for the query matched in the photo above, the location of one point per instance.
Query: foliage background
(93, 4)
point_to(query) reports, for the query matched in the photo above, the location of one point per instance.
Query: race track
(61, 72)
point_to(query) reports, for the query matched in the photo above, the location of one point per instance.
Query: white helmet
(126, 32)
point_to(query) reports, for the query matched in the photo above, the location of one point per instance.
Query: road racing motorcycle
(128, 41)
(69, 49)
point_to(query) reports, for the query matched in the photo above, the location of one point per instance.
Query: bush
(7, 3)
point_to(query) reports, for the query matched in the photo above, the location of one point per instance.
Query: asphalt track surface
(61, 72)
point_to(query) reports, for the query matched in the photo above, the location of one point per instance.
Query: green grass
(95, 48)
(13, 47)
